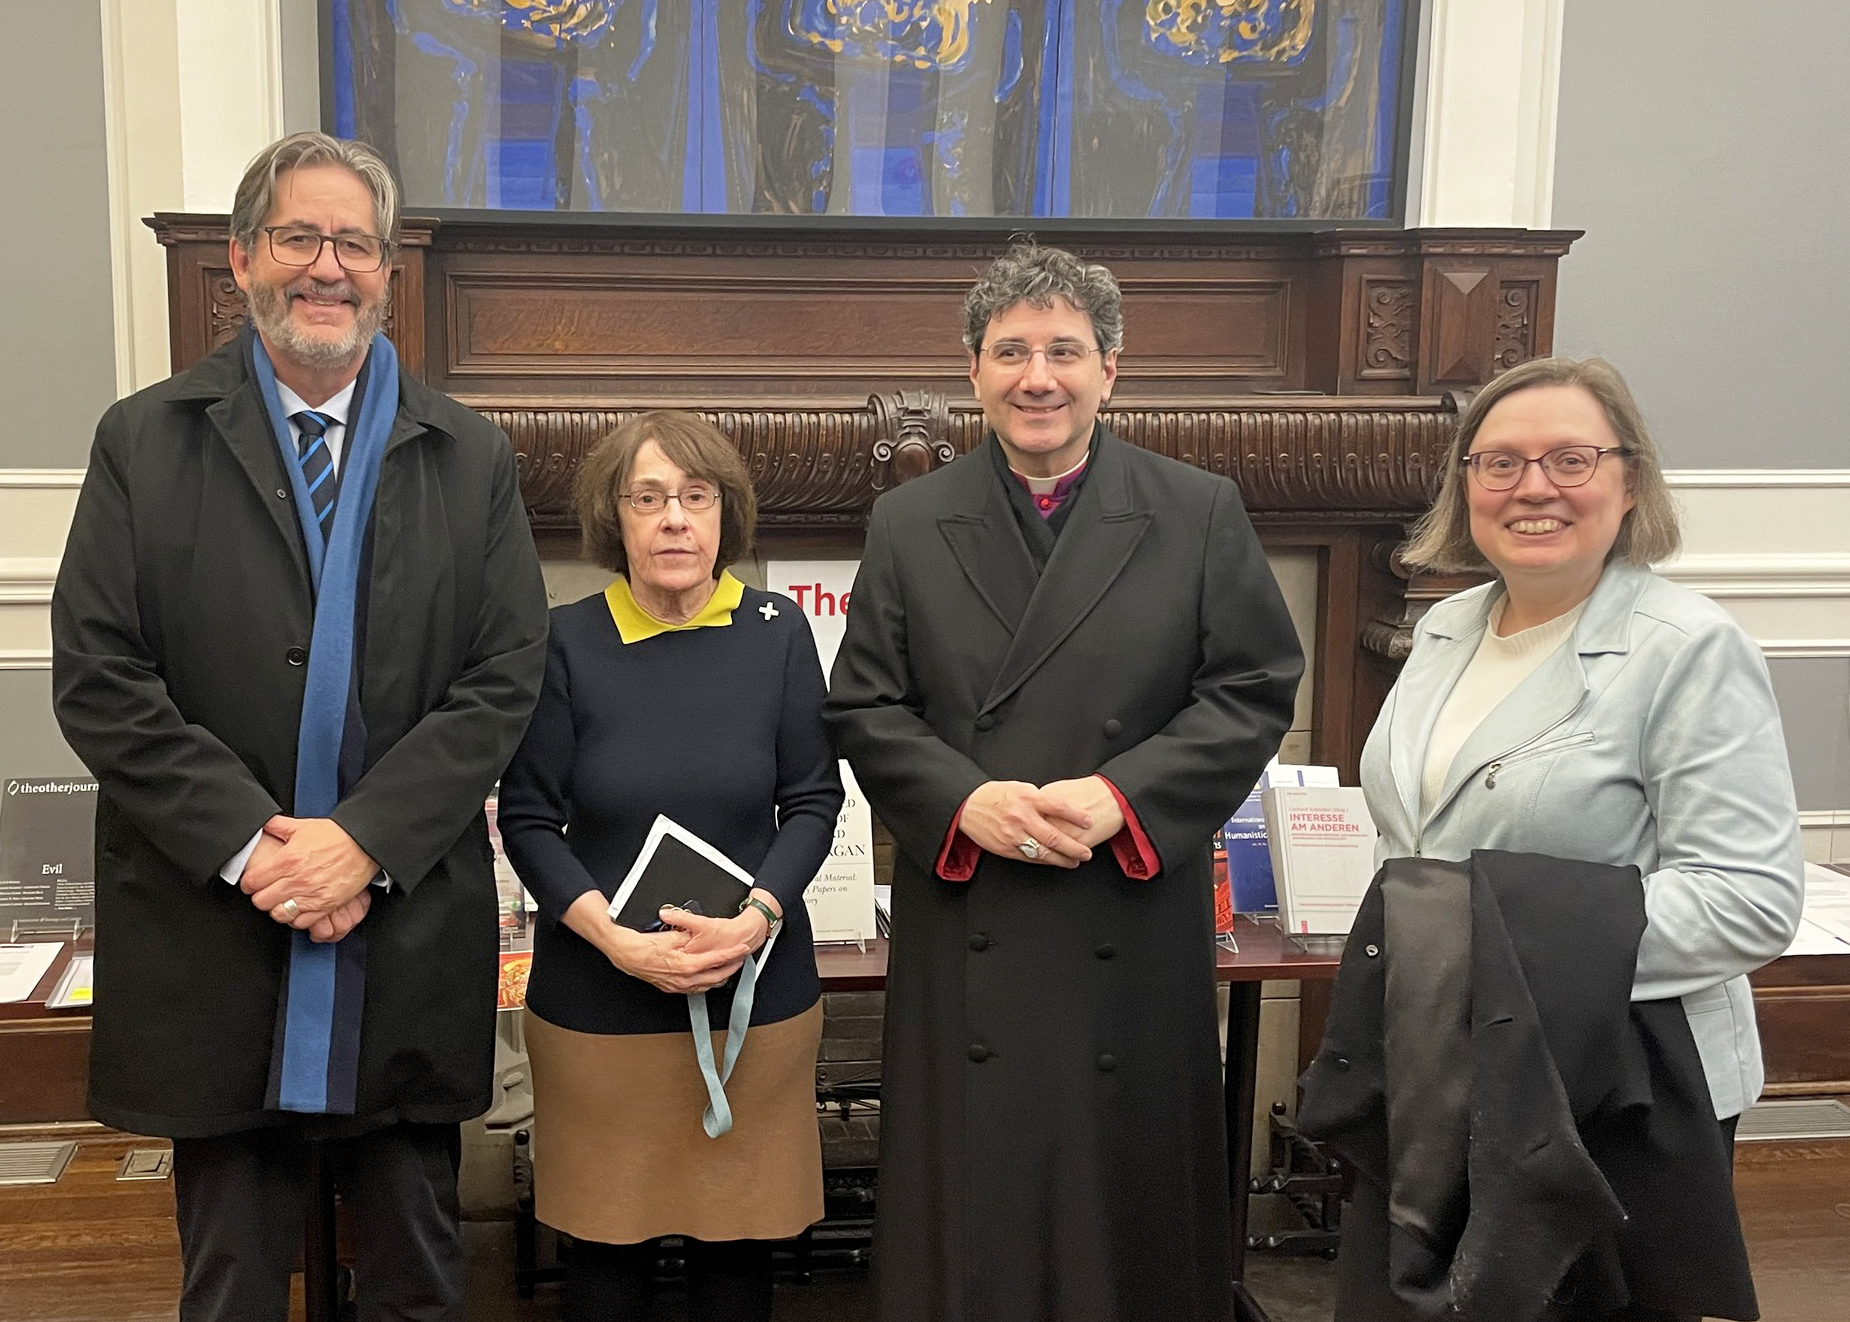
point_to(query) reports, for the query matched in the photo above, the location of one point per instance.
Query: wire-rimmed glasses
(1565, 466)
(695, 500)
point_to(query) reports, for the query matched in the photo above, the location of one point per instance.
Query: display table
(44, 1053)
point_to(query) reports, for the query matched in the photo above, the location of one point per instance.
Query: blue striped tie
(317, 464)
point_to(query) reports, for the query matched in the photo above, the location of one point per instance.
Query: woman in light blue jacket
(1581, 706)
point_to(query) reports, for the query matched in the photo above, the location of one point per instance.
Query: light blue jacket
(1651, 737)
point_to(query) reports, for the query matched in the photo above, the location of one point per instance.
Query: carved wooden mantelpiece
(821, 469)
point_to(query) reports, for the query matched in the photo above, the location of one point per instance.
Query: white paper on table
(22, 966)
(1827, 900)
(1812, 939)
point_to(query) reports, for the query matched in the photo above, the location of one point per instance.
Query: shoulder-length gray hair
(1035, 275)
(1442, 539)
(257, 190)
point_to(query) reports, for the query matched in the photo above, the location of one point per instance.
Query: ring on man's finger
(1030, 848)
(291, 908)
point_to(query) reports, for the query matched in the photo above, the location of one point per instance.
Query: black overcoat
(180, 624)
(1052, 1137)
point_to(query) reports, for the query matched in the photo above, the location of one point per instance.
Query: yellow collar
(634, 624)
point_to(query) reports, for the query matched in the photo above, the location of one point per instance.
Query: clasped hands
(693, 953)
(1063, 819)
(314, 862)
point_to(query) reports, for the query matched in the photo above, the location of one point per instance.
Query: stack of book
(1301, 848)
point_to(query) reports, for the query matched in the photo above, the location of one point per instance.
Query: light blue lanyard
(717, 1118)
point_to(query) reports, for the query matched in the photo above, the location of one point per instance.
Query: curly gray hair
(1035, 275)
(257, 190)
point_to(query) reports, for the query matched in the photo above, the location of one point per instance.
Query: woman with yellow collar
(677, 691)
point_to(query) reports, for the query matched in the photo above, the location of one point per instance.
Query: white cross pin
(767, 610)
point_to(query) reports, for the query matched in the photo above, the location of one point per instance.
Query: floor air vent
(34, 1163)
(1800, 1118)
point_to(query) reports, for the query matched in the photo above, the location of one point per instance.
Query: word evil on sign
(841, 898)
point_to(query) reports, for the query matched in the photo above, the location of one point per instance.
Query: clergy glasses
(1015, 354)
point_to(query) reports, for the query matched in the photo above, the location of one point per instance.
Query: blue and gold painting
(1108, 109)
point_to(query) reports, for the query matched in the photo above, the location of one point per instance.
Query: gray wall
(1703, 146)
(57, 339)
(300, 35)
(30, 744)
(1814, 707)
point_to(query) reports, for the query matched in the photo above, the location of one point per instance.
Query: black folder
(677, 875)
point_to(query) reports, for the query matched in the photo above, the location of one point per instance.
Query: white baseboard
(1826, 836)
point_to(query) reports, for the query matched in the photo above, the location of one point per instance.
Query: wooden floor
(91, 1249)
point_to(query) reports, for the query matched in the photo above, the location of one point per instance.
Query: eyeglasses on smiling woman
(1567, 466)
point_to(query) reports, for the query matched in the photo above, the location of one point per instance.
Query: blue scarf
(314, 1061)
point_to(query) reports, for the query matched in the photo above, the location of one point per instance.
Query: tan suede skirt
(618, 1152)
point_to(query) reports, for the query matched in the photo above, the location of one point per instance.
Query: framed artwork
(960, 110)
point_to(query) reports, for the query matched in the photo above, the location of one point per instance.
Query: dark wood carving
(912, 436)
(817, 470)
(1515, 342)
(1388, 310)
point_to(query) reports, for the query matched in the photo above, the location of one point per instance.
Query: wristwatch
(753, 902)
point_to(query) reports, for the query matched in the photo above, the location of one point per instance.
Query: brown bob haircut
(1442, 539)
(693, 445)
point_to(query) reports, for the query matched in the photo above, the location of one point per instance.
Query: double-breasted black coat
(181, 623)
(1052, 1137)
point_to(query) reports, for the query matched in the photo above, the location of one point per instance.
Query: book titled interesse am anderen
(1323, 856)
(1243, 882)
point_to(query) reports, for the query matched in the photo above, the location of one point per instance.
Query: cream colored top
(1499, 665)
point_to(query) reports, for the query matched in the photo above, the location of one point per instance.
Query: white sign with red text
(841, 898)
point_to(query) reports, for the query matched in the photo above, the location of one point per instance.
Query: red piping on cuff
(957, 859)
(1130, 846)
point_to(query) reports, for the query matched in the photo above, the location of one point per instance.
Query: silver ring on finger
(291, 908)
(1030, 848)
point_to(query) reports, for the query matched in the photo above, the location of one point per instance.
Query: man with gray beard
(297, 633)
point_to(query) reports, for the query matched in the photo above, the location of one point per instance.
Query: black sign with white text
(47, 853)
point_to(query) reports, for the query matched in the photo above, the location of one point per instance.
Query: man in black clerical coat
(1066, 663)
(298, 630)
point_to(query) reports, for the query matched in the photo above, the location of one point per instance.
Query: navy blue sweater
(720, 729)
